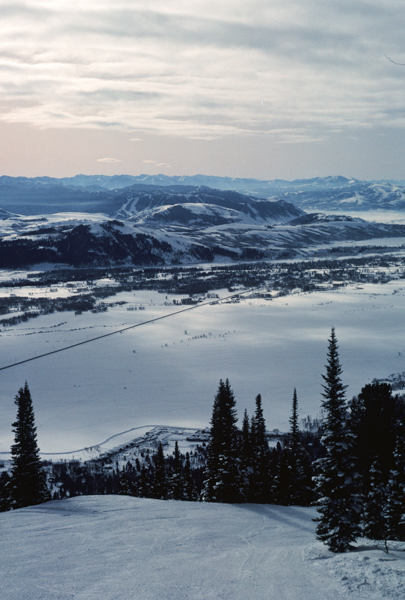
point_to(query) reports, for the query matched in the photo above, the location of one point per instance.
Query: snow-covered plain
(167, 372)
(122, 548)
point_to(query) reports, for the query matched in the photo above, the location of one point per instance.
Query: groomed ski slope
(123, 548)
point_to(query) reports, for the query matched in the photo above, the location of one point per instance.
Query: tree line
(177, 477)
(357, 482)
(352, 468)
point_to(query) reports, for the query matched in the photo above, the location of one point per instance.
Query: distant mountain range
(80, 221)
(106, 194)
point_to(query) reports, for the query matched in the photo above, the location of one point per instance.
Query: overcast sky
(244, 88)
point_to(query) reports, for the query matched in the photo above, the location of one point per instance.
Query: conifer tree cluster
(223, 472)
(240, 465)
(167, 477)
(377, 422)
(360, 482)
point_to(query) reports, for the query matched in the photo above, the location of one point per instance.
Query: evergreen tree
(375, 523)
(339, 504)
(295, 470)
(276, 454)
(246, 459)
(283, 480)
(160, 483)
(144, 488)
(261, 456)
(28, 481)
(374, 415)
(395, 507)
(125, 488)
(294, 435)
(176, 484)
(222, 482)
(190, 488)
(4, 491)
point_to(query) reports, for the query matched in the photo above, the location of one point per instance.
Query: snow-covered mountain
(201, 215)
(180, 233)
(77, 239)
(355, 195)
(140, 198)
(109, 195)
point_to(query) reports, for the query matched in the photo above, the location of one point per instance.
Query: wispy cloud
(156, 163)
(108, 160)
(288, 70)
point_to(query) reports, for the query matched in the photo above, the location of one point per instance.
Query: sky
(239, 88)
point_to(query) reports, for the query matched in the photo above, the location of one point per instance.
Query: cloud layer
(293, 70)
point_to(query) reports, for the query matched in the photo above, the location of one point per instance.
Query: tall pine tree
(395, 507)
(190, 488)
(4, 491)
(176, 481)
(375, 413)
(295, 472)
(375, 522)
(222, 482)
(160, 483)
(260, 486)
(28, 481)
(338, 504)
(246, 459)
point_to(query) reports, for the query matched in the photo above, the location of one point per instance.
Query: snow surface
(118, 548)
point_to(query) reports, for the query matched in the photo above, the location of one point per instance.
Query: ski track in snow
(122, 548)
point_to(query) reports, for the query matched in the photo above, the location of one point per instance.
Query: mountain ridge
(99, 193)
(82, 240)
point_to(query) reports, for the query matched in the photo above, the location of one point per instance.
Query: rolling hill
(176, 234)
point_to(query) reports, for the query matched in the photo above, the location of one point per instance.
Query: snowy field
(167, 372)
(118, 548)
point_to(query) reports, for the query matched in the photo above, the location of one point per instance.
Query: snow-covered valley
(167, 372)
